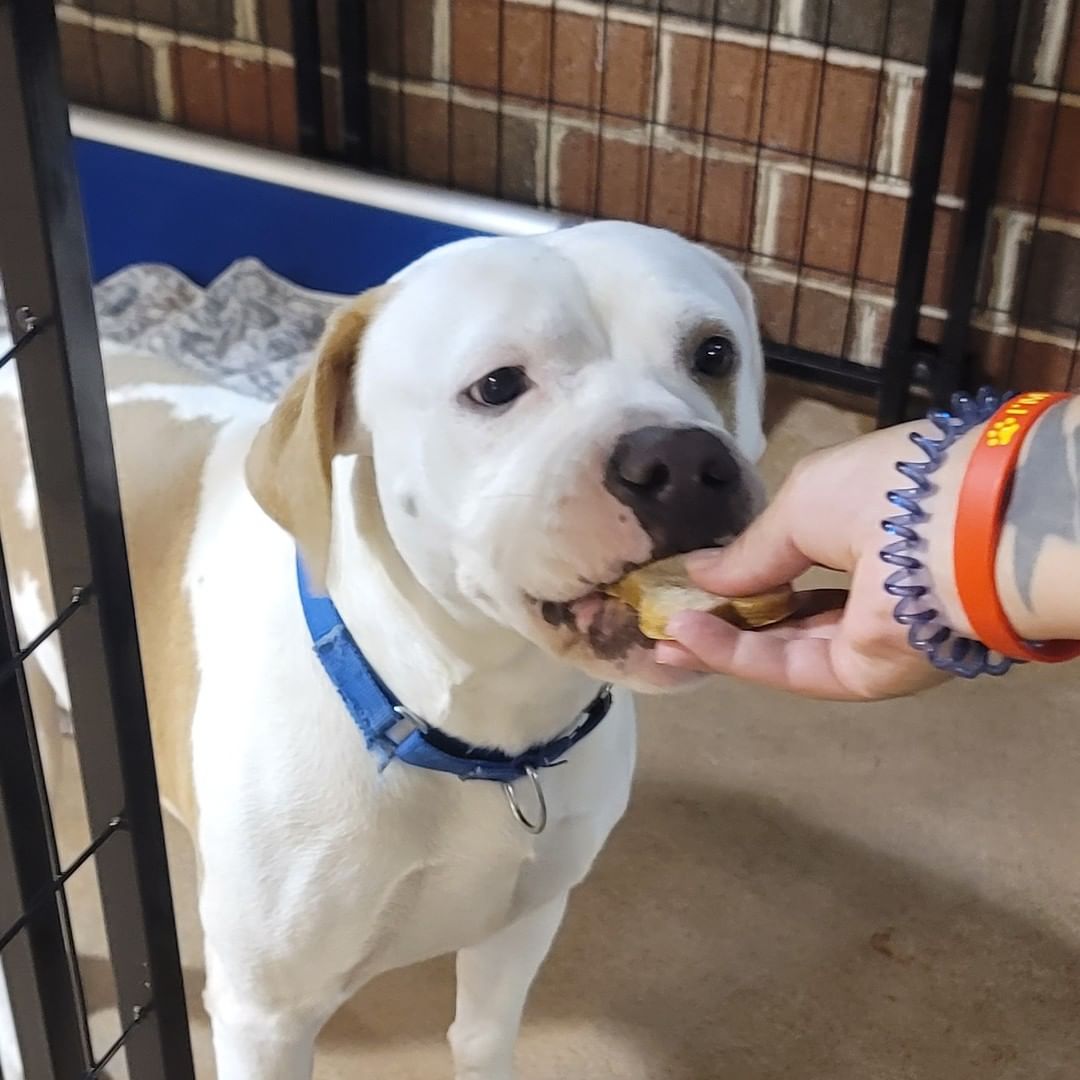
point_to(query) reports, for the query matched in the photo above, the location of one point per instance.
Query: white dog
(478, 447)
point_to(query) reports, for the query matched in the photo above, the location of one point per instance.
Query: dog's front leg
(493, 980)
(257, 1037)
(265, 1050)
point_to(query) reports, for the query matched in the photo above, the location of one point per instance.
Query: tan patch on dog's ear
(288, 466)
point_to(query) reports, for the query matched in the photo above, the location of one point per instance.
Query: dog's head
(540, 416)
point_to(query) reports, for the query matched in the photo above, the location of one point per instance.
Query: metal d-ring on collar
(408, 714)
(534, 827)
(552, 755)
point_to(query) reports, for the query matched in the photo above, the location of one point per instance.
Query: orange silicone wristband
(980, 514)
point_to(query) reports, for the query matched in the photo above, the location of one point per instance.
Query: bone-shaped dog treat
(657, 591)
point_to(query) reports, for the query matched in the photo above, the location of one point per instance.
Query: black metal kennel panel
(896, 177)
(847, 153)
(47, 283)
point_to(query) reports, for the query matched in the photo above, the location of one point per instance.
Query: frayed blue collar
(392, 732)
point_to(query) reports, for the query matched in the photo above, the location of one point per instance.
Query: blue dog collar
(393, 732)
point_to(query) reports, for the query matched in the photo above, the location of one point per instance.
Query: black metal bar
(549, 101)
(402, 100)
(36, 965)
(451, 132)
(308, 73)
(759, 140)
(1019, 305)
(500, 83)
(9, 667)
(823, 370)
(653, 105)
(267, 70)
(946, 23)
(43, 252)
(601, 112)
(355, 93)
(1070, 382)
(222, 68)
(20, 342)
(804, 232)
(694, 228)
(871, 172)
(58, 881)
(99, 1066)
(951, 370)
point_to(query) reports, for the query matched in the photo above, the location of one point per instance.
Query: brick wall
(796, 161)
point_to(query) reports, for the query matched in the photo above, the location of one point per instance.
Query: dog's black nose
(684, 485)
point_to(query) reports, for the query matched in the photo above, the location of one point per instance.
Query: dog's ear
(288, 466)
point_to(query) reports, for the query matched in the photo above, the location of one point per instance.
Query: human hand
(829, 514)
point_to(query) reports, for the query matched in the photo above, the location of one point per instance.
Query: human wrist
(1036, 567)
(918, 606)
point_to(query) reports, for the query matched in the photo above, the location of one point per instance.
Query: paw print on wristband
(1003, 432)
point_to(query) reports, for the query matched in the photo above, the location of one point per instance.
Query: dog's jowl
(373, 616)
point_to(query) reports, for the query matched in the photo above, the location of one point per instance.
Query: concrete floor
(799, 890)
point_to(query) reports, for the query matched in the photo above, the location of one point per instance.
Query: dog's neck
(481, 683)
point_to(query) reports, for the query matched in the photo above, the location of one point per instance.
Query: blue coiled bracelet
(910, 582)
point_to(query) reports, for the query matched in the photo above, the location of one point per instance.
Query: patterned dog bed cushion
(249, 329)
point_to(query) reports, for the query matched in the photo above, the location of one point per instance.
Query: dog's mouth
(608, 624)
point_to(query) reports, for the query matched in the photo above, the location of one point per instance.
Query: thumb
(765, 556)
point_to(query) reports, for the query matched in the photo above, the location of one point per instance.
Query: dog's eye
(499, 387)
(715, 357)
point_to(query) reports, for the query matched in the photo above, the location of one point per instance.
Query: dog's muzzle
(684, 485)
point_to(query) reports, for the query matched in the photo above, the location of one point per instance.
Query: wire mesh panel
(761, 128)
(1029, 313)
(218, 66)
(46, 278)
(785, 133)
(51, 1034)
